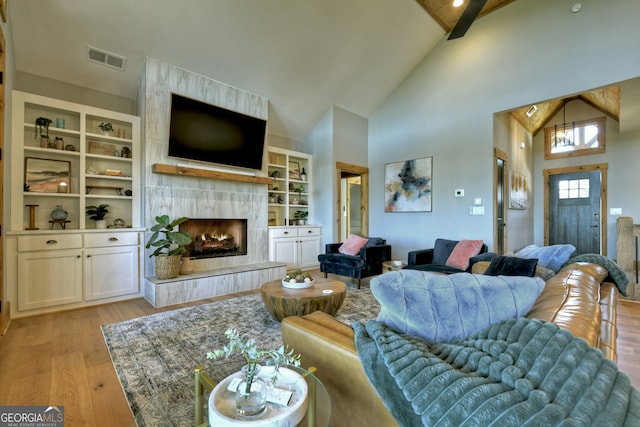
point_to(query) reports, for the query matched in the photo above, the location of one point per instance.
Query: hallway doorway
(500, 196)
(353, 200)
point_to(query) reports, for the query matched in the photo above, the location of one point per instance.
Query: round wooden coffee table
(325, 295)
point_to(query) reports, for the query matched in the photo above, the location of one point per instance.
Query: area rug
(154, 356)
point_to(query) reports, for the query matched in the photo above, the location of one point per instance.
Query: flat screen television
(207, 133)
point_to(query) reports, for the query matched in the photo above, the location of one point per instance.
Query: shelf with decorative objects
(64, 170)
(72, 155)
(290, 190)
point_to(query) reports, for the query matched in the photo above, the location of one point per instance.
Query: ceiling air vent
(106, 58)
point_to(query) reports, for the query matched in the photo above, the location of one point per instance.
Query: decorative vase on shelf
(251, 394)
(59, 143)
(44, 141)
(59, 214)
(187, 266)
(101, 223)
(303, 175)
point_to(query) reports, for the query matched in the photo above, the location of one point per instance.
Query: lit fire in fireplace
(216, 237)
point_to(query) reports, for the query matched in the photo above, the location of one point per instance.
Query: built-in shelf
(210, 174)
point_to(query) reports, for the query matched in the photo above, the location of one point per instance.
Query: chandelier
(566, 135)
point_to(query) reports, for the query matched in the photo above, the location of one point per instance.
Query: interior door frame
(603, 168)
(499, 154)
(363, 171)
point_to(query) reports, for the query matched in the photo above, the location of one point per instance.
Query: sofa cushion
(442, 249)
(512, 266)
(443, 308)
(352, 245)
(552, 257)
(541, 272)
(462, 252)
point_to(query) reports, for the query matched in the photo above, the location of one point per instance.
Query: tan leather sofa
(574, 299)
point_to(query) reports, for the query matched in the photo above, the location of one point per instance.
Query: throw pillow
(352, 245)
(461, 253)
(551, 257)
(512, 266)
(481, 266)
(443, 308)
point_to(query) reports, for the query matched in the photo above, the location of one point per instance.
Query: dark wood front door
(575, 209)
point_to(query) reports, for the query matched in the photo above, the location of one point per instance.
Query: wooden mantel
(210, 174)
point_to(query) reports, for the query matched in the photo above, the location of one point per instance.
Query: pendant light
(562, 138)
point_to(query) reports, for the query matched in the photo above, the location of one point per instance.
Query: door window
(573, 189)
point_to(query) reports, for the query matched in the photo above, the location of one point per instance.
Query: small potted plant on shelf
(97, 213)
(166, 241)
(301, 217)
(251, 391)
(106, 127)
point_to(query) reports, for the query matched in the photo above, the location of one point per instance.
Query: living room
(445, 108)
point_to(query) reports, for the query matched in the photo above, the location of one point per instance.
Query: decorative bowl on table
(298, 280)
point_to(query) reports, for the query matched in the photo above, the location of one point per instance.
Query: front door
(575, 210)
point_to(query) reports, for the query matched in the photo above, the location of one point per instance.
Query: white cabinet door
(309, 248)
(284, 250)
(110, 272)
(49, 278)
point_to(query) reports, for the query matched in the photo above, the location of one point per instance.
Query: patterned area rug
(154, 356)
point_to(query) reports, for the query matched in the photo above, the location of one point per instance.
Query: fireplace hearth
(212, 238)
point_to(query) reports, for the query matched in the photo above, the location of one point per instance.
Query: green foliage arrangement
(247, 347)
(97, 213)
(164, 236)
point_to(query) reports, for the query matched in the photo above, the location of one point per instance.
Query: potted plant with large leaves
(167, 240)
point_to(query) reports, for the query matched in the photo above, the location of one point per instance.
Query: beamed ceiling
(605, 100)
(446, 15)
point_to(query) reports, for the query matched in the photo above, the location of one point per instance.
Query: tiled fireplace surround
(192, 197)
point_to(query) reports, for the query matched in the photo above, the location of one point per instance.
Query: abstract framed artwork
(45, 175)
(408, 185)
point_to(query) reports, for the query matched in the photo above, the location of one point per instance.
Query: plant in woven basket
(167, 242)
(165, 239)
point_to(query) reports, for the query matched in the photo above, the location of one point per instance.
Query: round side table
(310, 404)
(393, 265)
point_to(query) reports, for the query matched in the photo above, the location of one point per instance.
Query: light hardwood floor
(61, 359)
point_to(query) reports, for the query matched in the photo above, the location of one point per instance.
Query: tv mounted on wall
(211, 134)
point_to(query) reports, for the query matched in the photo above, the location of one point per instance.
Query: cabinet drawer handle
(286, 232)
(77, 256)
(51, 242)
(113, 239)
(310, 231)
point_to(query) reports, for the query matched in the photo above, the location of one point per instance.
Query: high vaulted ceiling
(443, 12)
(606, 100)
(305, 56)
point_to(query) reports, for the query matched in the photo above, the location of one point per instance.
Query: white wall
(340, 136)
(445, 107)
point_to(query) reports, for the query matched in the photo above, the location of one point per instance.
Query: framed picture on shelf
(46, 175)
(272, 218)
(294, 170)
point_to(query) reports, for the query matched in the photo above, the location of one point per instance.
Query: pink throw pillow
(352, 245)
(462, 252)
